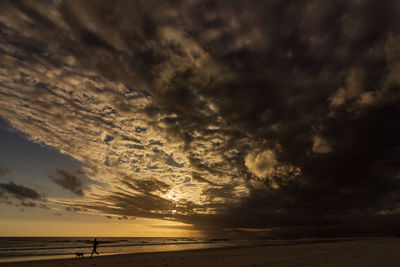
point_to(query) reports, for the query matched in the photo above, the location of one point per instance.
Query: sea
(15, 249)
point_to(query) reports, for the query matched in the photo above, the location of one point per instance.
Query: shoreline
(368, 253)
(113, 256)
(45, 258)
(172, 248)
(151, 248)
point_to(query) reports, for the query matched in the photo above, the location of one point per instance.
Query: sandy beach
(367, 253)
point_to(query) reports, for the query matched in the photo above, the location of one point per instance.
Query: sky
(200, 118)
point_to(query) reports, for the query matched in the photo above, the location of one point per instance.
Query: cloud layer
(69, 182)
(222, 114)
(20, 191)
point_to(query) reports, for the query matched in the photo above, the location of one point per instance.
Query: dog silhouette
(79, 254)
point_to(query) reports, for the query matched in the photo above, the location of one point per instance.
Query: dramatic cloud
(261, 164)
(74, 209)
(69, 181)
(353, 89)
(20, 191)
(278, 115)
(320, 145)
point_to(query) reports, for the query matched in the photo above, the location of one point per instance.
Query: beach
(346, 252)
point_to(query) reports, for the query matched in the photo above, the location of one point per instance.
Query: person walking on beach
(95, 243)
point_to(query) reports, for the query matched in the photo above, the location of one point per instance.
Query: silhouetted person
(95, 243)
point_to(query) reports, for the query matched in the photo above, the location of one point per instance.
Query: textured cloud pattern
(206, 112)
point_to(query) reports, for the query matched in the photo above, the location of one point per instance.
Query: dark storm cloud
(20, 191)
(300, 99)
(69, 181)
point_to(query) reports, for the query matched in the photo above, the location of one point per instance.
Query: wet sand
(369, 252)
